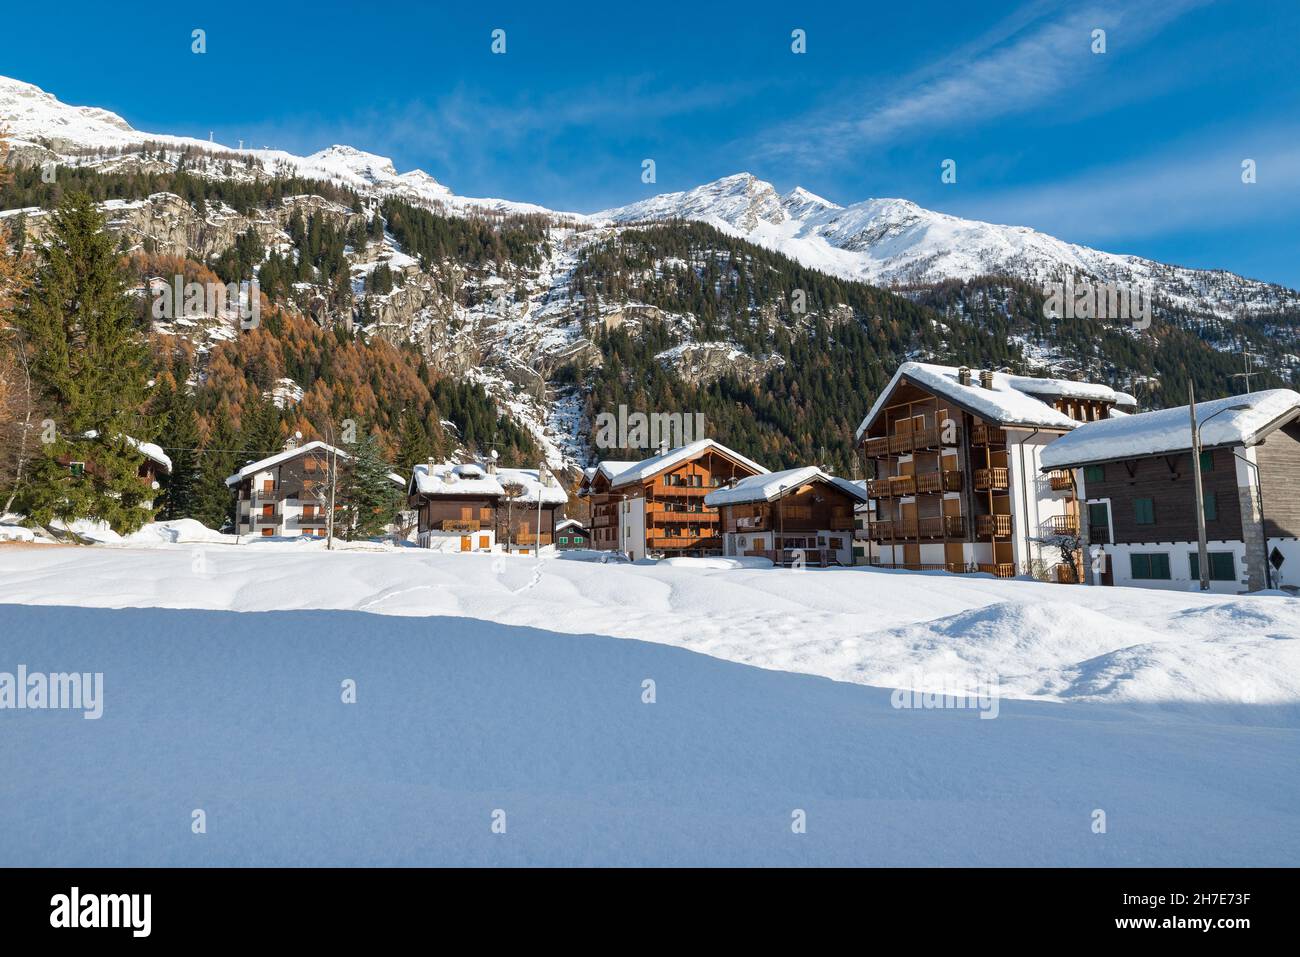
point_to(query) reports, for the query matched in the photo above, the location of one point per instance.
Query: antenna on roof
(1247, 372)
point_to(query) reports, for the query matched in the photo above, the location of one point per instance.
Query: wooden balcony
(955, 567)
(991, 479)
(988, 435)
(460, 525)
(683, 541)
(1064, 524)
(948, 480)
(942, 526)
(988, 525)
(532, 538)
(892, 487)
(1061, 481)
(876, 448)
(1001, 570)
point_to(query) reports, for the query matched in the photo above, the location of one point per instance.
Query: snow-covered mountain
(889, 242)
(41, 127)
(896, 242)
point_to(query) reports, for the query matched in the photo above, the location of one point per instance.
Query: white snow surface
(491, 682)
(1235, 420)
(449, 478)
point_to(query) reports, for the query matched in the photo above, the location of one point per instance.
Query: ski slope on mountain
(462, 721)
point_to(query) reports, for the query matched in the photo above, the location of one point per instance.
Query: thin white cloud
(1025, 61)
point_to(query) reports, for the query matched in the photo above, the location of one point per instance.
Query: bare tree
(513, 491)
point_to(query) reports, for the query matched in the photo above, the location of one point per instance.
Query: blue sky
(1136, 150)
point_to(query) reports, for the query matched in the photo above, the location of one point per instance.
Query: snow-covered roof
(1237, 420)
(570, 523)
(270, 462)
(1013, 400)
(551, 494)
(450, 478)
(769, 486)
(646, 468)
(147, 449)
(613, 468)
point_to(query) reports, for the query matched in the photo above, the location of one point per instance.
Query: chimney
(492, 462)
(986, 379)
(963, 376)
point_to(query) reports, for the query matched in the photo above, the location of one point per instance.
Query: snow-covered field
(499, 683)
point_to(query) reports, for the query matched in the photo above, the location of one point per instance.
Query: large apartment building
(656, 507)
(1135, 478)
(286, 494)
(958, 484)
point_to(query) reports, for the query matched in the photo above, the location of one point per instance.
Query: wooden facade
(812, 522)
(662, 511)
(951, 484)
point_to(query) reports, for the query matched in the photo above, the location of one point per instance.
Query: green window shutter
(1211, 506)
(577, 539)
(1144, 511)
(1139, 566)
(564, 540)
(1207, 461)
(1223, 567)
(1094, 473)
(1160, 566)
(1149, 565)
(1098, 514)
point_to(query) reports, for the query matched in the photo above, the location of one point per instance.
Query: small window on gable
(1094, 473)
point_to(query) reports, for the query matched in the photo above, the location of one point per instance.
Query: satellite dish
(494, 455)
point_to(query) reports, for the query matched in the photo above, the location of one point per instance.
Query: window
(485, 514)
(1207, 461)
(1099, 523)
(577, 539)
(1144, 511)
(1150, 565)
(564, 539)
(1223, 567)
(1094, 473)
(1211, 506)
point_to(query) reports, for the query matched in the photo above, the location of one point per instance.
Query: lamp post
(1202, 550)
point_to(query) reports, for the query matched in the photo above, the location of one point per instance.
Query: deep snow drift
(488, 684)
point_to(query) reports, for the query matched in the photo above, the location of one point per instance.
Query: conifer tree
(90, 362)
(371, 499)
(214, 501)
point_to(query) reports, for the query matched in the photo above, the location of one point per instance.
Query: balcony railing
(933, 437)
(460, 525)
(1064, 524)
(991, 479)
(1001, 569)
(532, 538)
(942, 526)
(268, 520)
(1061, 481)
(948, 480)
(988, 435)
(877, 448)
(999, 525)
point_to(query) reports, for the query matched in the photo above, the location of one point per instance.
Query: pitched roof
(147, 449)
(647, 468)
(1013, 400)
(1170, 430)
(450, 478)
(271, 461)
(552, 494)
(570, 523)
(769, 486)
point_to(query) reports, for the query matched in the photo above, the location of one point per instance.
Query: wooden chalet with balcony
(527, 509)
(455, 506)
(797, 517)
(957, 480)
(656, 507)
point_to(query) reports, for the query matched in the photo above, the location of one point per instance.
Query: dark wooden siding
(1167, 480)
(1279, 472)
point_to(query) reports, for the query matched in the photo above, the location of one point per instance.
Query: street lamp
(1202, 552)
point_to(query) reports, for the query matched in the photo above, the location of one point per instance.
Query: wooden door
(464, 543)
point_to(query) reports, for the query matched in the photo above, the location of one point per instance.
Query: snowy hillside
(881, 241)
(511, 694)
(894, 241)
